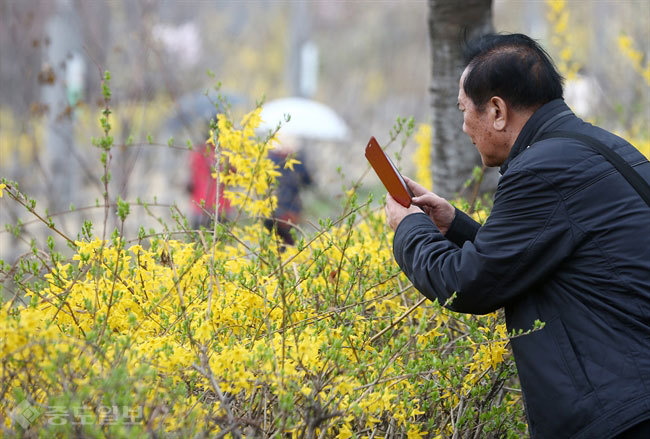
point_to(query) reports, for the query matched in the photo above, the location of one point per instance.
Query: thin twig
(399, 319)
(205, 370)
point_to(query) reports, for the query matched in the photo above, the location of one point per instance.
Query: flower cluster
(251, 191)
(231, 333)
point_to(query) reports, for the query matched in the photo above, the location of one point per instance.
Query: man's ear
(499, 113)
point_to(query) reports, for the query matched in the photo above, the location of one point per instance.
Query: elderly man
(567, 243)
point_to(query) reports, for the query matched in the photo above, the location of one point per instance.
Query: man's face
(479, 126)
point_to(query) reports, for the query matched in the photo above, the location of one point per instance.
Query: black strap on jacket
(633, 177)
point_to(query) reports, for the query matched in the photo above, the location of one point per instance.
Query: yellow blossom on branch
(626, 44)
(422, 156)
(561, 38)
(290, 162)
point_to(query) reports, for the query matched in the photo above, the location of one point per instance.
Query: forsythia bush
(227, 333)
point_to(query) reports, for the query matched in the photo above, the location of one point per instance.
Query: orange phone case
(388, 173)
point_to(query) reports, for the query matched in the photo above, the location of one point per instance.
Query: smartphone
(388, 173)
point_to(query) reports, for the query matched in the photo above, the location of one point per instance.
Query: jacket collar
(539, 121)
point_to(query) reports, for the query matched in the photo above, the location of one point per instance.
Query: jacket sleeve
(527, 235)
(463, 228)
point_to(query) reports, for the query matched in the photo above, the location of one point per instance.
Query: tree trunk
(453, 155)
(63, 31)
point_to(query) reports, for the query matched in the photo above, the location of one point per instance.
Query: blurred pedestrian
(294, 176)
(203, 188)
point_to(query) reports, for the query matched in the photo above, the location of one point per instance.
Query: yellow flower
(345, 432)
(2, 186)
(416, 411)
(556, 5)
(290, 162)
(624, 42)
(305, 390)
(562, 23)
(210, 140)
(415, 433)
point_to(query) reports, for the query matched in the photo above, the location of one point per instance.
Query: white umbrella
(309, 118)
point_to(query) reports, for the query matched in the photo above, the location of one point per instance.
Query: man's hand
(440, 211)
(395, 212)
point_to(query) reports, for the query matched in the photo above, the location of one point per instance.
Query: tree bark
(453, 155)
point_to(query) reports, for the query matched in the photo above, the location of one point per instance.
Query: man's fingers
(428, 199)
(390, 203)
(395, 212)
(417, 188)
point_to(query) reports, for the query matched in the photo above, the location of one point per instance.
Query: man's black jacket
(568, 243)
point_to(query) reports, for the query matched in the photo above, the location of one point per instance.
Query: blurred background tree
(453, 154)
